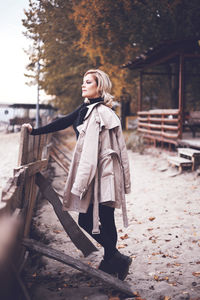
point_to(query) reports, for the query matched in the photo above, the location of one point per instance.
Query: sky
(13, 88)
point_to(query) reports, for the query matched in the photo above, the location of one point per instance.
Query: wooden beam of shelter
(72, 229)
(77, 264)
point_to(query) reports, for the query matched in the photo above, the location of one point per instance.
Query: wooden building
(168, 124)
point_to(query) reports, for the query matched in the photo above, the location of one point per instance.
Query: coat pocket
(107, 189)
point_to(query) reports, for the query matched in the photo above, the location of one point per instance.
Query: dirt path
(163, 237)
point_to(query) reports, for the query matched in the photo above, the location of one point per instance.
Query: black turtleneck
(75, 119)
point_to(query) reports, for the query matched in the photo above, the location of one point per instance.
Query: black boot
(106, 267)
(117, 265)
(121, 264)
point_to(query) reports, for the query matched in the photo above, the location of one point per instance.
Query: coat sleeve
(124, 160)
(89, 158)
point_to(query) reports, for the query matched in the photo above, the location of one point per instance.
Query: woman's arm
(56, 125)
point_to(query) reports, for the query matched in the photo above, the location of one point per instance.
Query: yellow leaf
(156, 277)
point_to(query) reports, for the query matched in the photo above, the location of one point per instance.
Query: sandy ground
(9, 147)
(163, 237)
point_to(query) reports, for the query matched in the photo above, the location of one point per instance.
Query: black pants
(108, 233)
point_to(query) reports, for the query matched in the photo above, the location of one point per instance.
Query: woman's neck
(95, 100)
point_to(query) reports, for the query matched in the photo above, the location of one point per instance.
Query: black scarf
(84, 109)
(82, 113)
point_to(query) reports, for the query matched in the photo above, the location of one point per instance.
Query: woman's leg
(108, 233)
(114, 262)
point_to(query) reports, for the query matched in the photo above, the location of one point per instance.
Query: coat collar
(107, 117)
(91, 107)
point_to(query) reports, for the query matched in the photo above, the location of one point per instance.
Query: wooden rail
(160, 125)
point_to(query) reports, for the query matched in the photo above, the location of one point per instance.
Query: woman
(99, 173)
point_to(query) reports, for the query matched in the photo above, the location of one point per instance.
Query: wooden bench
(187, 157)
(193, 122)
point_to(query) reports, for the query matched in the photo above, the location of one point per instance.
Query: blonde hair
(104, 85)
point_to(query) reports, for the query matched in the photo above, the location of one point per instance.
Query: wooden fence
(160, 125)
(19, 198)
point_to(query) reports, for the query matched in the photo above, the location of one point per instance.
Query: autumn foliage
(70, 37)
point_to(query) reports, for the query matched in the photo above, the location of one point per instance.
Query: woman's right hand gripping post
(28, 126)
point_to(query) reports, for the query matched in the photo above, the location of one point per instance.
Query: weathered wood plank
(43, 139)
(23, 147)
(31, 192)
(77, 264)
(31, 142)
(68, 157)
(33, 167)
(11, 193)
(20, 282)
(72, 229)
(159, 112)
(57, 160)
(36, 146)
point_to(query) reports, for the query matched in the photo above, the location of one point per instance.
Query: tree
(62, 63)
(117, 31)
(79, 34)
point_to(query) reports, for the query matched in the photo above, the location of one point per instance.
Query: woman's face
(89, 87)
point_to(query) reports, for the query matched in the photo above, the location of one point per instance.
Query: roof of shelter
(167, 51)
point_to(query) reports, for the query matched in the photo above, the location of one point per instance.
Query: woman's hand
(28, 126)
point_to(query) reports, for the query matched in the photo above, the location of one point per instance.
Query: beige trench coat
(99, 171)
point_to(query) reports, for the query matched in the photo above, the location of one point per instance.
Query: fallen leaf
(193, 187)
(151, 218)
(166, 278)
(122, 246)
(34, 275)
(167, 298)
(154, 253)
(124, 237)
(177, 265)
(173, 283)
(57, 231)
(149, 229)
(156, 277)
(197, 274)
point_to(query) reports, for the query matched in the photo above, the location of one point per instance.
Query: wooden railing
(162, 125)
